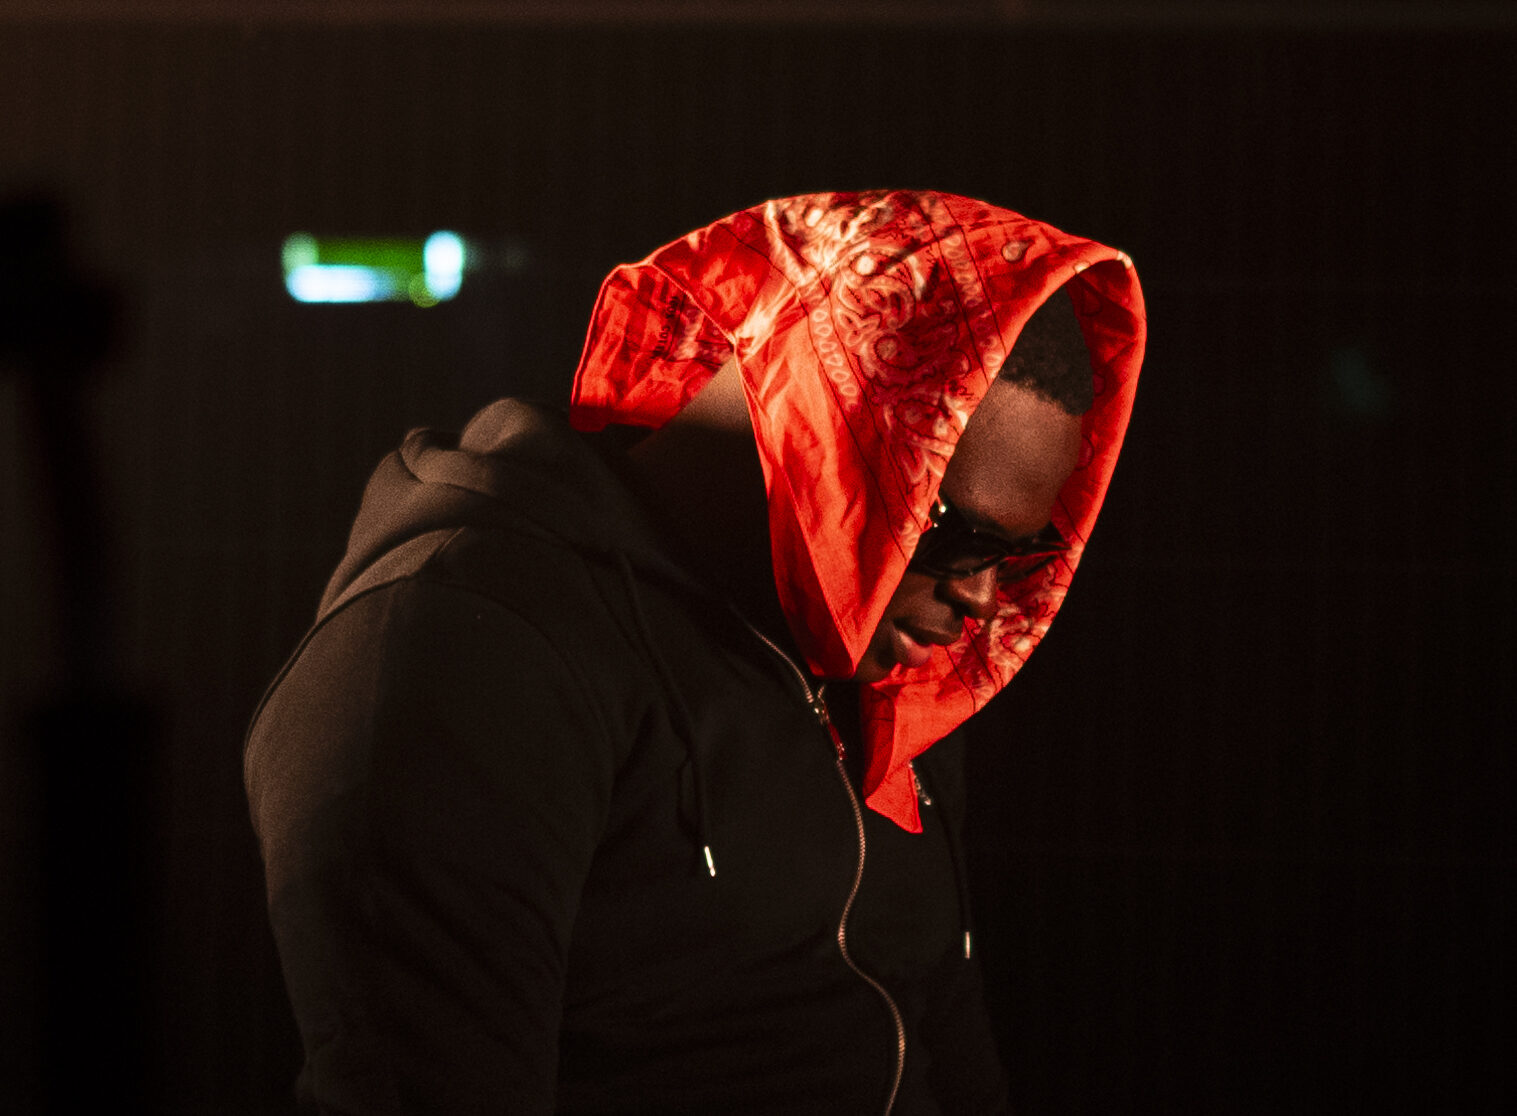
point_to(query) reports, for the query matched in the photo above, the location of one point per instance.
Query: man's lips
(912, 647)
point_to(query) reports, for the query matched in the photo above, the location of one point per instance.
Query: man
(602, 782)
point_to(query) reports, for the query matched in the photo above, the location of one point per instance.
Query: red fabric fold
(867, 328)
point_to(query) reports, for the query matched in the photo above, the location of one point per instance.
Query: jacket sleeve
(429, 781)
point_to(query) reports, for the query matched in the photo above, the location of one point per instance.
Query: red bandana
(867, 328)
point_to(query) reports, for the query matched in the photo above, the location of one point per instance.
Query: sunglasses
(953, 548)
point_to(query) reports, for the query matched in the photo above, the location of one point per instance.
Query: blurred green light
(389, 269)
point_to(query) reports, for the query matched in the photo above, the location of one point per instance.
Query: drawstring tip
(968, 946)
(710, 864)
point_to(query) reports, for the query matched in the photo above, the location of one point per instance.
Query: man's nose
(974, 595)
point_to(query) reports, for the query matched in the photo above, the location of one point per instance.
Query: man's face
(1004, 476)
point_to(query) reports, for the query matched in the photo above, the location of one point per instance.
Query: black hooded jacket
(486, 787)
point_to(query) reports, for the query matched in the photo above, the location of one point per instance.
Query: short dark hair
(1050, 357)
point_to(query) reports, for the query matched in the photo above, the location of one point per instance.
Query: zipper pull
(819, 707)
(916, 782)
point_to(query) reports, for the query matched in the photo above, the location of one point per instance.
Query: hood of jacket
(516, 464)
(867, 327)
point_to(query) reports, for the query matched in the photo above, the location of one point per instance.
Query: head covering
(867, 327)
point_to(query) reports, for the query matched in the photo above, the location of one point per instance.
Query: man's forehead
(1012, 459)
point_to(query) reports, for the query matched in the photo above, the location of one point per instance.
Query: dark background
(1243, 835)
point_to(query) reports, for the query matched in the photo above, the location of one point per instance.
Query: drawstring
(680, 712)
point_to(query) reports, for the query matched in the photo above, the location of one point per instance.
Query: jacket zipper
(818, 705)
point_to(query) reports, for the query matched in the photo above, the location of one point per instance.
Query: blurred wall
(1243, 840)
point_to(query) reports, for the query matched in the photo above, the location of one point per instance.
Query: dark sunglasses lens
(948, 554)
(953, 549)
(956, 554)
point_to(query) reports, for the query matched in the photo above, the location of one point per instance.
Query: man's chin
(875, 666)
